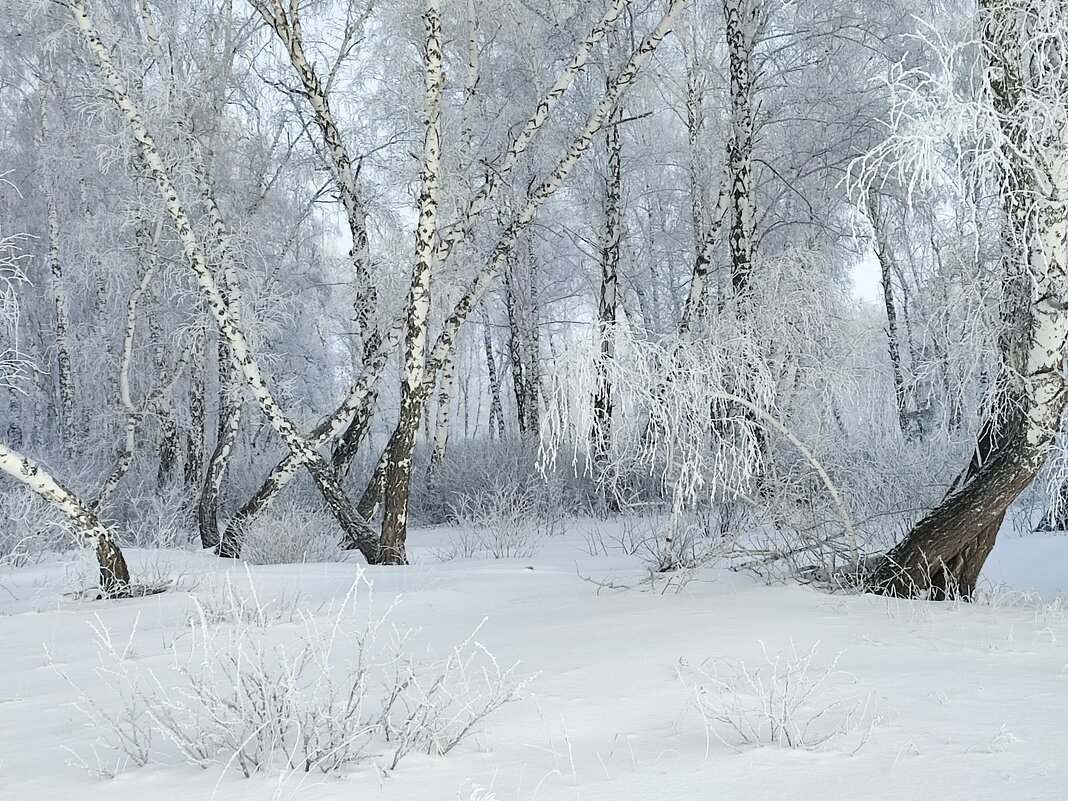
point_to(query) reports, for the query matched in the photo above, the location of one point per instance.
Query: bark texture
(399, 463)
(611, 246)
(114, 574)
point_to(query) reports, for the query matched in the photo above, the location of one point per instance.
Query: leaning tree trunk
(355, 529)
(114, 575)
(944, 553)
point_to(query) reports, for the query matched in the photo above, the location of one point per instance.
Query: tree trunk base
(933, 573)
(114, 574)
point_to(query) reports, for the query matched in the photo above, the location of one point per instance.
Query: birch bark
(601, 433)
(399, 464)
(741, 21)
(114, 574)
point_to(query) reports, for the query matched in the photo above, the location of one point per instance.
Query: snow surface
(972, 700)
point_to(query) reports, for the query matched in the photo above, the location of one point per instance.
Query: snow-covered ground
(955, 701)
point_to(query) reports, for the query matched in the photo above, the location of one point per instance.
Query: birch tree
(326, 479)
(399, 461)
(398, 453)
(114, 574)
(601, 435)
(64, 375)
(1022, 108)
(741, 19)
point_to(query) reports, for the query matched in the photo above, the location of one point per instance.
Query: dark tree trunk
(601, 433)
(225, 442)
(194, 441)
(943, 554)
(114, 574)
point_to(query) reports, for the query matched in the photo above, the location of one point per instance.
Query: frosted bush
(662, 544)
(480, 468)
(789, 701)
(28, 530)
(292, 536)
(321, 692)
(502, 522)
(156, 520)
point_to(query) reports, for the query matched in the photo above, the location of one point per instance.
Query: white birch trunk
(64, 374)
(194, 439)
(130, 412)
(114, 575)
(694, 121)
(399, 469)
(443, 411)
(230, 407)
(442, 414)
(696, 298)
(496, 409)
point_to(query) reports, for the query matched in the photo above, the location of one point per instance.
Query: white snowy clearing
(881, 699)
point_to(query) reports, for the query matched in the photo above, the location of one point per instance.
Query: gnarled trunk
(943, 554)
